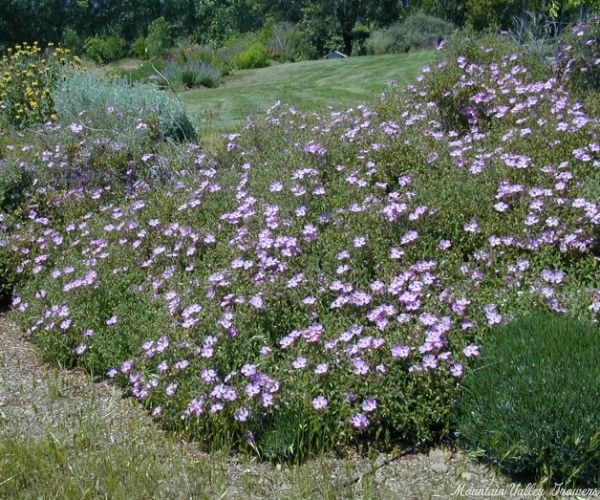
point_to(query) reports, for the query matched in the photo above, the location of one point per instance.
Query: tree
(558, 7)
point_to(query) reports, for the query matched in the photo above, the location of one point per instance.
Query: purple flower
(75, 127)
(359, 421)
(555, 277)
(299, 363)
(241, 414)
(471, 350)
(321, 368)
(400, 351)
(359, 241)
(456, 369)
(472, 227)
(80, 349)
(181, 365)
(315, 148)
(319, 403)
(369, 405)
(208, 375)
(430, 362)
(360, 367)
(409, 237)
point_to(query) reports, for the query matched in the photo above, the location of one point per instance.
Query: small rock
(439, 455)
(479, 468)
(468, 476)
(439, 468)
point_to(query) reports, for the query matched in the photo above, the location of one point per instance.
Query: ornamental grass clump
(28, 76)
(531, 402)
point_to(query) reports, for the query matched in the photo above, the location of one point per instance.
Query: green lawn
(308, 85)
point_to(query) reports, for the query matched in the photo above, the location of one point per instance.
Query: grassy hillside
(310, 85)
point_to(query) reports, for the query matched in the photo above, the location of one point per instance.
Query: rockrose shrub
(577, 61)
(324, 279)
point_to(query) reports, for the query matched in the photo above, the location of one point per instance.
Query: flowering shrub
(325, 278)
(578, 60)
(28, 76)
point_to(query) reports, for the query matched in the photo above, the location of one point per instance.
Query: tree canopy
(325, 24)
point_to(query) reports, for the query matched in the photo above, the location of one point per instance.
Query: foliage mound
(578, 60)
(322, 279)
(104, 49)
(532, 400)
(122, 106)
(255, 56)
(417, 31)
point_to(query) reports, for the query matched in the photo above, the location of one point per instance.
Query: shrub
(255, 56)
(200, 73)
(28, 76)
(72, 41)
(388, 40)
(119, 105)
(532, 402)
(213, 57)
(139, 48)
(422, 31)
(103, 50)
(158, 40)
(322, 273)
(481, 14)
(16, 180)
(281, 41)
(171, 77)
(418, 31)
(447, 86)
(577, 60)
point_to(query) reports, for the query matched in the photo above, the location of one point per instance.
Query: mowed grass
(308, 85)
